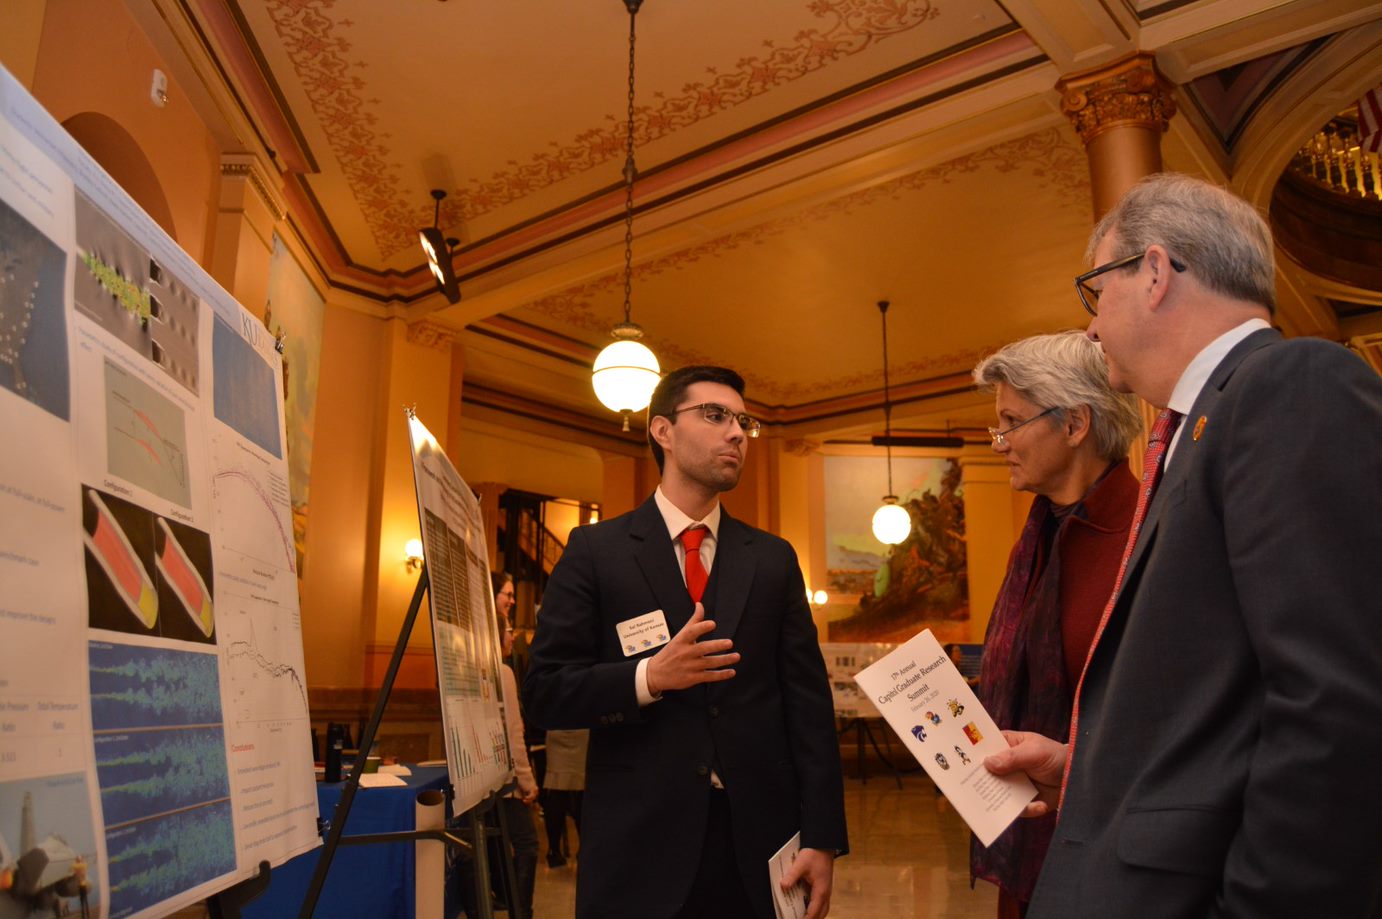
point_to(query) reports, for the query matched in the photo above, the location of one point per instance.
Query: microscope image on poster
(128, 293)
(146, 574)
(33, 329)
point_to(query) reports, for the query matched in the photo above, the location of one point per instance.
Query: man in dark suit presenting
(683, 639)
(1223, 755)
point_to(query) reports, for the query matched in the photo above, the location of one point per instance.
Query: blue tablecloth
(376, 880)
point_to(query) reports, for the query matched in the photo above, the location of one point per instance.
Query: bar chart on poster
(154, 733)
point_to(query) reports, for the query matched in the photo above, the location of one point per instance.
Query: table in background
(375, 880)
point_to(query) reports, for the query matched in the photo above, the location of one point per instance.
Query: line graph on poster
(261, 667)
(250, 503)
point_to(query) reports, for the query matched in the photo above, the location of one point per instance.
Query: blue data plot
(154, 860)
(244, 394)
(134, 687)
(152, 772)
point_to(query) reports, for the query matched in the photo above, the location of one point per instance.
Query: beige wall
(333, 583)
(92, 57)
(531, 462)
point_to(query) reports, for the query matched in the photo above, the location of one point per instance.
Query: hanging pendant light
(891, 522)
(626, 372)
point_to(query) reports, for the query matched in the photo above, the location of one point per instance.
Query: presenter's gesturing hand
(686, 660)
(1042, 758)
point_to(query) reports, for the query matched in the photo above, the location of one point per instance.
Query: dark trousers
(557, 805)
(718, 891)
(523, 839)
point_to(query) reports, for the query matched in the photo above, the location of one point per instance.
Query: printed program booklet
(789, 904)
(927, 702)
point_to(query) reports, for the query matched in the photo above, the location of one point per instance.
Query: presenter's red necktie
(1152, 462)
(696, 575)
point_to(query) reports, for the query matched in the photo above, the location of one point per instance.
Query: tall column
(416, 373)
(992, 524)
(249, 209)
(1120, 111)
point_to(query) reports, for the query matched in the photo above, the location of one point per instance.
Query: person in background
(957, 657)
(1064, 433)
(517, 813)
(561, 792)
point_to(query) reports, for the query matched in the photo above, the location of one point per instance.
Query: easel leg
(516, 905)
(484, 900)
(342, 812)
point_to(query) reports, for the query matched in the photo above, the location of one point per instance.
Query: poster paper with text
(465, 630)
(154, 734)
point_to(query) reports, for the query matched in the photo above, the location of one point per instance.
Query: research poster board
(154, 733)
(465, 632)
(842, 661)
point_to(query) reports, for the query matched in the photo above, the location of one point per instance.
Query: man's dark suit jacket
(769, 732)
(1230, 732)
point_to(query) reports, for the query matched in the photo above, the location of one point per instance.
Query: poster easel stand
(861, 729)
(335, 836)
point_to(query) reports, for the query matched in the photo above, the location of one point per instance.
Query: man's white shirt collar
(1196, 373)
(677, 521)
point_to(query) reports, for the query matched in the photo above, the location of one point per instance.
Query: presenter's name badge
(642, 633)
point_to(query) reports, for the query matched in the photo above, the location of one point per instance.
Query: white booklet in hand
(931, 707)
(789, 904)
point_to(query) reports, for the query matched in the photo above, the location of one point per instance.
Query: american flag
(1370, 120)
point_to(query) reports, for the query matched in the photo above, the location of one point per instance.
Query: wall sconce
(820, 598)
(412, 553)
(438, 249)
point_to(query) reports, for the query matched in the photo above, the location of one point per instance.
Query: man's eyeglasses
(718, 414)
(1000, 438)
(1089, 296)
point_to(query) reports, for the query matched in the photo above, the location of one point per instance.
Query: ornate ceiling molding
(240, 166)
(1048, 156)
(433, 335)
(1129, 92)
(320, 50)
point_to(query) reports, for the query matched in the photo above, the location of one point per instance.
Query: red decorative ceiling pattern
(332, 81)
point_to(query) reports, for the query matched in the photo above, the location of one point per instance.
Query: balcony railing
(1334, 158)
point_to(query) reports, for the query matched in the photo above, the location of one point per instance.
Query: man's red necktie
(696, 575)
(1157, 443)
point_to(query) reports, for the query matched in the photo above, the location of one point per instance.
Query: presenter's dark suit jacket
(1230, 732)
(769, 732)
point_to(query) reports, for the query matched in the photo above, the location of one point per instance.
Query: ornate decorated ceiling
(799, 160)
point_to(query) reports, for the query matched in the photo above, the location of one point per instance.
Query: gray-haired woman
(1065, 434)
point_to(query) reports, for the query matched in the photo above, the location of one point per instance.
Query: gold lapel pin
(1199, 426)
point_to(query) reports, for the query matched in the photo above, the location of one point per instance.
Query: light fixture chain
(630, 173)
(887, 397)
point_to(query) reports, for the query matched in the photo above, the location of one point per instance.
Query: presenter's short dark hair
(672, 389)
(497, 580)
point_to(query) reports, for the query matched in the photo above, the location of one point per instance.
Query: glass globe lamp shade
(891, 523)
(625, 375)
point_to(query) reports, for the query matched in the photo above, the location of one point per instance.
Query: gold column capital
(1127, 93)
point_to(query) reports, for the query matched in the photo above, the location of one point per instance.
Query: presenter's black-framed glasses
(1089, 296)
(1000, 438)
(718, 414)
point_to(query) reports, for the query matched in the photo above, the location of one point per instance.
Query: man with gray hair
(1222, 756)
